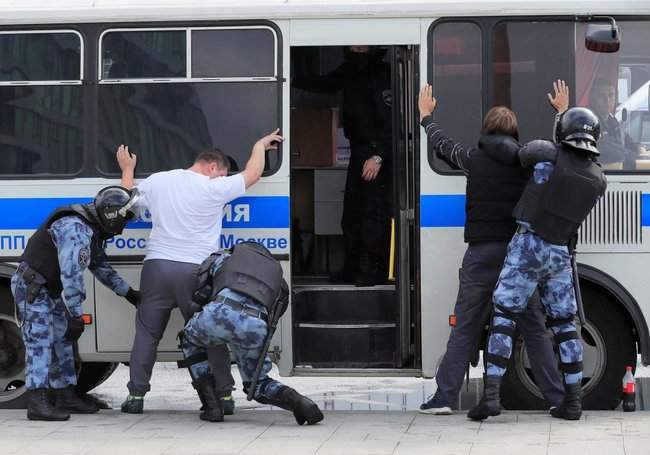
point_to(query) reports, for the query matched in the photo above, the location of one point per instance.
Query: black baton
(273, 323)
(576, 281)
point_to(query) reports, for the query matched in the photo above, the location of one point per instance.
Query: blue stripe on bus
(249, 212)
(645, 210)
(448, 210)
(442, 210)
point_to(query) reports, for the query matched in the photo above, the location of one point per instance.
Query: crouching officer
(242, 288)
(48, 289)
(565, 185)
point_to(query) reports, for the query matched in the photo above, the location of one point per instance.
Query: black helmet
(114, 206)
(255, 246)
(579, 128)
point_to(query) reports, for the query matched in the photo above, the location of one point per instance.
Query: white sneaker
(433, 409)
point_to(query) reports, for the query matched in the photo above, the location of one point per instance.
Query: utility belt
(34, 281)
(242, 308)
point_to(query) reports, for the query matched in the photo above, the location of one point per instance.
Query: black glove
(75, 328)
(133, 297)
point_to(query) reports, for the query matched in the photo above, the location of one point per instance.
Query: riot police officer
(48, 289)
(243, 288)
(565, 185)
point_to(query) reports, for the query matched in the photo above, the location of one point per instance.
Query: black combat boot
(39, 407)
(490, 404)
(571, 407)
(304, 410)
(68, 400)
(212, 410)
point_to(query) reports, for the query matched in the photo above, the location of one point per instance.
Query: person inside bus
(186, 207)
(48, 288)
(495, 181)
(364, 80)
(539, 257)
(617, 149)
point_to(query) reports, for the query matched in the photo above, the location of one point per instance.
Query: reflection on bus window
(233, 53)
(526, 58)
(41, 128)
(615, 87)
(144, 54)
(40, 57)
(457, 73)
(167, 125)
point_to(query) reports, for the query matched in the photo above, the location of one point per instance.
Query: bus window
(168, 106)
(144, 54)
(456, 75)
(167, 125)
(41, 128)
(234, 53)
(526, 58)
(616, 87)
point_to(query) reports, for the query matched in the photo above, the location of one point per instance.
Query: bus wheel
(609, 345)
(92, 374)
(12, 356)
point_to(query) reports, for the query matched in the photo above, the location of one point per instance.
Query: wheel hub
(8, 356)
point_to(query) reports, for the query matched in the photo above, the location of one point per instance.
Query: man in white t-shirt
(186, 207)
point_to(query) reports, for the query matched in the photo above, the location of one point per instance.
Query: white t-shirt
(186, 211)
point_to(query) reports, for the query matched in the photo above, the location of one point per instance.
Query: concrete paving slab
(275, 432)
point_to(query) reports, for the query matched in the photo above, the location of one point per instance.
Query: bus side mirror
(603, 37)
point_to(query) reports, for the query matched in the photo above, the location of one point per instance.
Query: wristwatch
(378, 159)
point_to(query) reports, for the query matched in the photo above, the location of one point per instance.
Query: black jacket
(495, 181)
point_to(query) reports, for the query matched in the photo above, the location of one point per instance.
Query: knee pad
(506, 330)
(562, 337)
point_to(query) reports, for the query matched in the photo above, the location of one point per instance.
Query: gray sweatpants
(164, 285)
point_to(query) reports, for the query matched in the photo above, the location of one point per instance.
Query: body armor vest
(556, 209)
(41, 253)
(251, 272)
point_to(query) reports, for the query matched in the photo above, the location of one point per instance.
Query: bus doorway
(353, 187)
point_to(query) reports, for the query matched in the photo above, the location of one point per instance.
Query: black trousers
(366, 212)
(482, 264)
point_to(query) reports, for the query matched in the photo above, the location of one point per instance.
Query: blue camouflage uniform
(49, 356)
(219, 323)
(532, 263)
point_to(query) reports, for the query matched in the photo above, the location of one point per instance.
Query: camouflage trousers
(534, 263)
(49, 357)
(218, 324)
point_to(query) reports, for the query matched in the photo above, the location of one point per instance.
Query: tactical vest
(41, 253)
(494, 185)
(251, 272)
(557, 208)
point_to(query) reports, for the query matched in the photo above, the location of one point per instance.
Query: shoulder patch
(84, 257)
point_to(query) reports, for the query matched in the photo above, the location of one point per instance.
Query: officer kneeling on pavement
(242, 296)
(48, 289)
(566, 184)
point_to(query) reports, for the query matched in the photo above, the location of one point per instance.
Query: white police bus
(170, 78)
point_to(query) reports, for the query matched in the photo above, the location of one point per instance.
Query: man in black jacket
(495, 181)
(365, 83)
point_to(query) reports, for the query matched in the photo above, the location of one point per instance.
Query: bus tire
(12, 354)
(609, 345)
(92, 374)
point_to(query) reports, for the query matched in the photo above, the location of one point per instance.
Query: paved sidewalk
(342, 432)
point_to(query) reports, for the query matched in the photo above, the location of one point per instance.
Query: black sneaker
(228, 405)
(435, 407)
(133, 405)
